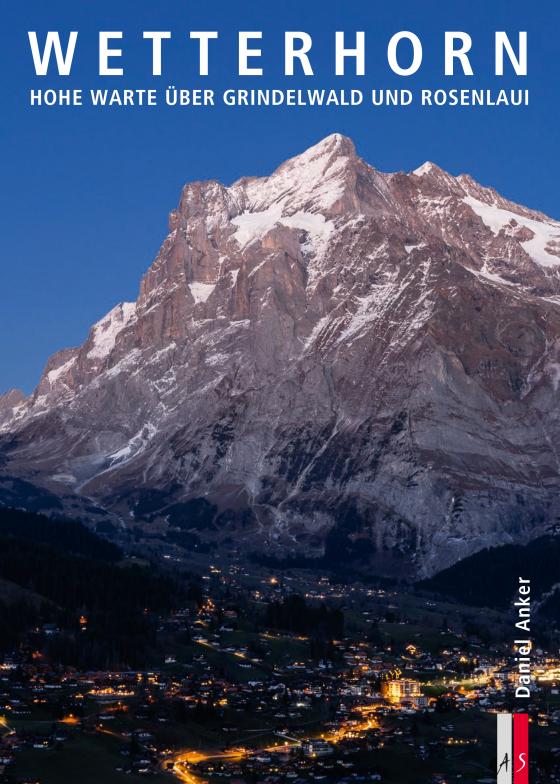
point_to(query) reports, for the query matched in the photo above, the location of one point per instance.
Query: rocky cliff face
(331, 357)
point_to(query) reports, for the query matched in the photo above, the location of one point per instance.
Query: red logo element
(521, 748)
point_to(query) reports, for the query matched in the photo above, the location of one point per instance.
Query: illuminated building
(401, 691)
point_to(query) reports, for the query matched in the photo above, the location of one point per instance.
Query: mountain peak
(426, 168)
(334, 143)
(323, 344)
(431, 169)
(329, 152)
(315, 180)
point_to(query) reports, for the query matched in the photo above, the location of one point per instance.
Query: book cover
(279, 393)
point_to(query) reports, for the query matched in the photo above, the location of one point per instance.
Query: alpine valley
(328, 362)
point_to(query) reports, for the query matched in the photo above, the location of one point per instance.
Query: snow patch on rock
(135, 445)
(105, 331)
(253, 226)
(201, 291)
(54, 375)
(496, 218)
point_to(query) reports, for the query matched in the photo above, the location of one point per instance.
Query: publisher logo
(513, 748)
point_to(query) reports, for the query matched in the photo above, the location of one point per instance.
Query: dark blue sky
(86, 192)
